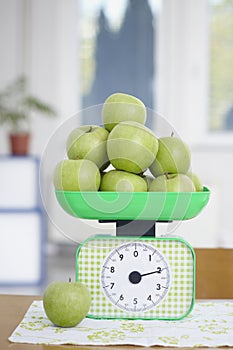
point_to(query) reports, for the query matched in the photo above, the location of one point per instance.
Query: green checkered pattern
(180, 256)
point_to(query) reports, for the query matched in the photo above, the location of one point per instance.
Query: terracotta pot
(19, 143)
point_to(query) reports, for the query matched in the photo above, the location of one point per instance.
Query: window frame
(183, 84)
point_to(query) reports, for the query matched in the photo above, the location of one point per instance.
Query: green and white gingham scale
(134, 274)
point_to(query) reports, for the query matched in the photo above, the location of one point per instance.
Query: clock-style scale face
(135, 277)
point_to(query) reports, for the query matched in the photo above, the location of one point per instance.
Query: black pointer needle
(150, 273)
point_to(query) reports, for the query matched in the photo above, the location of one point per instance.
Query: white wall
(39, 39)
(11, 53)
(52, 59)
(215, 163)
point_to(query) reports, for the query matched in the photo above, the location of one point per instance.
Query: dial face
(135, 277)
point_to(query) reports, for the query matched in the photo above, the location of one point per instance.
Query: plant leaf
(36, 104)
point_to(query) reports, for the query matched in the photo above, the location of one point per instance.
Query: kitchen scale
(132, 274)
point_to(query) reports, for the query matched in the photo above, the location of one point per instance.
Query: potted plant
(16, 107)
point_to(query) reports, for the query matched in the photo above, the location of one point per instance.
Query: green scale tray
(158, 206)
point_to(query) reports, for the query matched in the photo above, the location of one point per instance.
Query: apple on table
(66, 304)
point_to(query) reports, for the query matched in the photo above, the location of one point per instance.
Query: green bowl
(158, 206)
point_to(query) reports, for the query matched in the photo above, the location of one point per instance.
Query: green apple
(172, 183)
(196, 180)
(173, 157)
(121, 107)
(66, 303)
(88, 142)
(122, 181)
(76, 175)
(132, 147)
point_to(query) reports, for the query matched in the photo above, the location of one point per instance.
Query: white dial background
(135, 277)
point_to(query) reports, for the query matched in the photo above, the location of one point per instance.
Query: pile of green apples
(124, 155)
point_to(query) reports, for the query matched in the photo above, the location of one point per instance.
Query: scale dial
(135, 277)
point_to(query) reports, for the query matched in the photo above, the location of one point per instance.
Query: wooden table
(12, 310)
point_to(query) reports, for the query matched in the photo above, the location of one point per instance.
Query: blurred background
(60, 56)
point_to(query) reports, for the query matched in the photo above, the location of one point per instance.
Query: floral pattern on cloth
(210, 324)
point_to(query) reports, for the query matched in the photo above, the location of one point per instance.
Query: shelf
(22, 222)
(19, 183)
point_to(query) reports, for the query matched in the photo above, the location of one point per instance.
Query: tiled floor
(60, 265)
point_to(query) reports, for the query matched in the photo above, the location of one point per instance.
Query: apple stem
(166, 174)
(90, 129)
(172, 134)
(69, 279)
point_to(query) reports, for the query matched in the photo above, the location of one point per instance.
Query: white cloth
(209, 324)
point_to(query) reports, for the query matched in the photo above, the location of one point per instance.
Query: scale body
(134, 274)
(137, 277)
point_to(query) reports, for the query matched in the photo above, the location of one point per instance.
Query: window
(118, 48)
(221, 65)
(175, 55)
